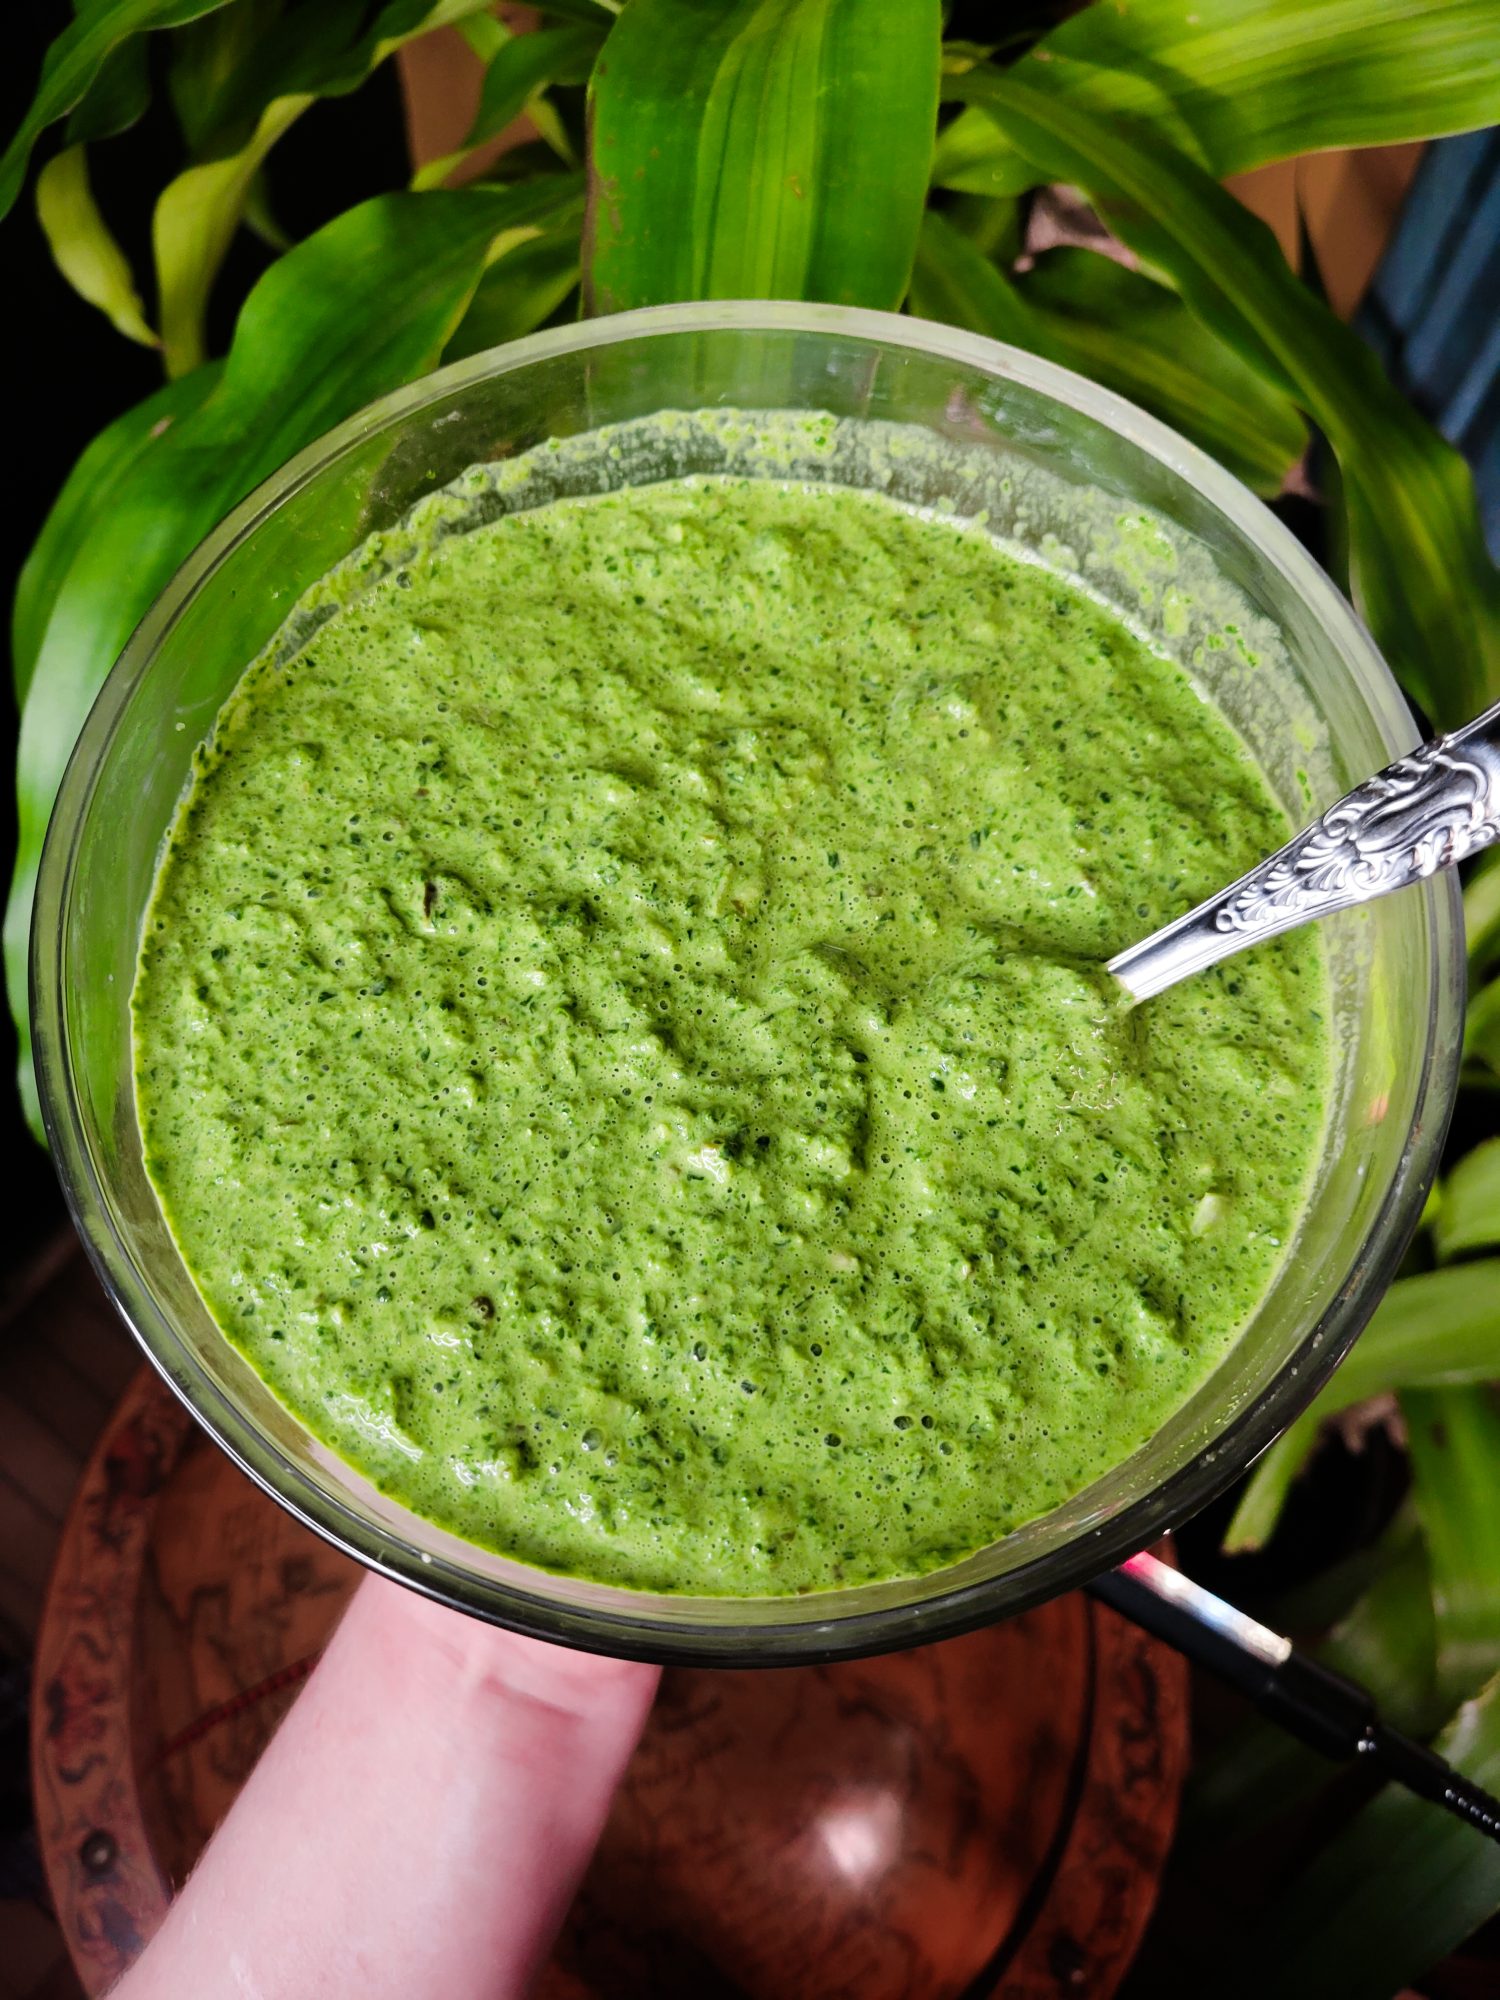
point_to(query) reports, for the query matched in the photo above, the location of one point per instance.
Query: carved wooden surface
(987, 1816)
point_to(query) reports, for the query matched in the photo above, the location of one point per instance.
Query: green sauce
(620, 1041)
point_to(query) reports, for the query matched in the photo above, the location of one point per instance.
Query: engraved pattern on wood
(987, 1816)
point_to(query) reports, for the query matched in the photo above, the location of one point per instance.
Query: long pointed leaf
(760, 149)
(1422, 574)
(1136, 337)
(521, 289)
(1439, 1329)
(194, 223)
(1468, 1214)
(1394, 1892)
(83, 248)
(92, 492)
(359, 308)
(518, 70)
(198, 213)
(1237, 83)
(74, 62)
(1454, 1436)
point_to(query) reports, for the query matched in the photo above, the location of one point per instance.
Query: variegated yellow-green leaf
(194, 224)
(364, 305)
(1420, 570)
(524, 287)
(83, 248)
(1236, 83)
(198, 213)
(760, 149)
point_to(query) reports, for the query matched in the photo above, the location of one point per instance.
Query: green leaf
(525, 284)
(73, 65)
(83, 248)
(1482, 1027)
(519, 69)
(116, 98)
(362, 306)
(1118, 327)
(1138, 338)
(1422, 575)
(973, 156)
(1482, 912)
(284, 74)
(1437, 1330)
(1387, 1642)
(83, 508)
(580, 10)
(1239, 82)
(1393, 1893)
(1468, 1214)
(760, 149)
(196, 217)
(1454, 1438)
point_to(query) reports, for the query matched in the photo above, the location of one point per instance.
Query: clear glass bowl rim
(624, 1631)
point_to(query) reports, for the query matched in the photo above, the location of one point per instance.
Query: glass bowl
(1076, 474)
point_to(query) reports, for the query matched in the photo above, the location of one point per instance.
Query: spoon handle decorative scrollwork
(1424, 812)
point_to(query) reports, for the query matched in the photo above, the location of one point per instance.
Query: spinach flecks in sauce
(619, 1045)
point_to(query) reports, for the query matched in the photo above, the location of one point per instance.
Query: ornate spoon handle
(1422, 813)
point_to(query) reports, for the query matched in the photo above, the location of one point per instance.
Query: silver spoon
(1424, 812)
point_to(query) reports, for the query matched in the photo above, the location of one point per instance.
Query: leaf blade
(1454, 1439)
(1238, 83)
(730, 154)
(1439, 1329)
(83, 248)
(73, 64)
(365, 304)
(1395, 1891)
(1422, 573)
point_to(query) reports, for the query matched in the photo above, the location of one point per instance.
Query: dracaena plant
(881, 153)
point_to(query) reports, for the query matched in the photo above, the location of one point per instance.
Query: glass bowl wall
(1062, 467)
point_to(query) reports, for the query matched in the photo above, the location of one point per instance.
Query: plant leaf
(760, 149)
(365, 304)
(525, 285)
(1387, 1642)
(83, 248)
(1121, 329)
(72, 67)
(1454, 1438)
(198, 213)
(1236, 83)
(194, 223)
(1399, 1888)
(973, 156)
(85, 503)
(1437, 1330)
(116, 98)
(1468, 1214)
(519, 69)
(1421, 572)
(1482, 912)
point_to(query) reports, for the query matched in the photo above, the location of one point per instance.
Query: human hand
(418, 1825)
